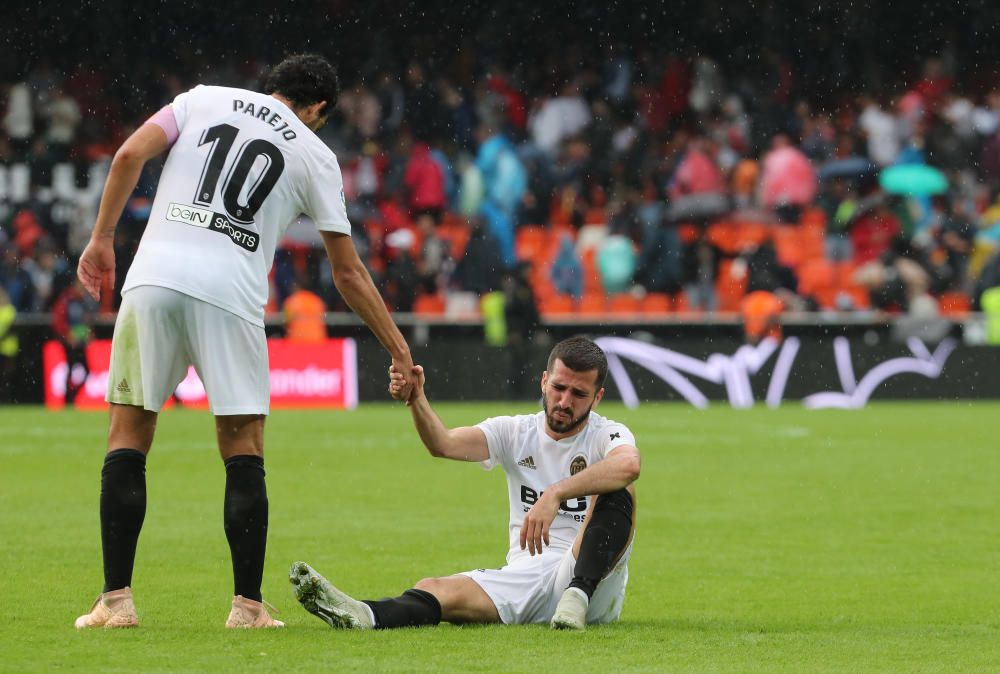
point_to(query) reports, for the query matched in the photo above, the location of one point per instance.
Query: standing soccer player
(570, 475)
(242, 165)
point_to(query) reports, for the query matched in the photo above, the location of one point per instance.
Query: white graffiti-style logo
(734, 371)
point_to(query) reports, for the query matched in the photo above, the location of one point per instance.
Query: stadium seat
(680, 303)
(655, 303)
(595, 216)
(591, 276)
(556, 305)
(530, 242)
(811, 242)
(786, 245)
(730, 290)
(429, 305)
(813, 218)
(591, 304)
(954, 304)
(816, 276)
(457, 234)
(858, 296)
(623, 304)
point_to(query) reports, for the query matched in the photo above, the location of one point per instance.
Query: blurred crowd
(627, 180)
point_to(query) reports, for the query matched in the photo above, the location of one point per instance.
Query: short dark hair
(303, 79)
(580, 355)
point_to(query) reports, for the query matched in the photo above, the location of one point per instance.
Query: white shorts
(160, 332)
(527, 590)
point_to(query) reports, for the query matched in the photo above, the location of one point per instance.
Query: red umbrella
(788, 177)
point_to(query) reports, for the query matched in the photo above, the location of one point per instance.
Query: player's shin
(411, 609)
(604, 540)
(246, 522)
(123, 508)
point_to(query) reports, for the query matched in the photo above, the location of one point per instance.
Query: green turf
(768, 540)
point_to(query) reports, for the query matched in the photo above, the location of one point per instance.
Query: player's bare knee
(240, 435)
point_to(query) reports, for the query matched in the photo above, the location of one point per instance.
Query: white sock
(371, 614)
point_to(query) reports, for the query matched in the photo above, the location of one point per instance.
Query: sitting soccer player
(572, 503)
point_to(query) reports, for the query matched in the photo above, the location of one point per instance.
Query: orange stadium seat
(591, 304)
(954, 304)
(681, 302)
(811, 242)
(457, 234)
(623, 304)
(591, 277)
(730, 290)
(530, 242)
(429, 305)
(655, 303)
(816, 276)
(813, 217)
(555, 305)
(786, 245)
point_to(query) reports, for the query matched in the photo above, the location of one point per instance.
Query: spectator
(16, 281)
(19, 122)
(48, 273)
(401, 276)
(305, 314)
(72, 317)
(504, 185)
(559, 118)
(567, 271)
(362, 111)
(897, 278)
(788, 179)
(423, 108)
(481, 266)
(697, 173)
(881, 131)
(63, 116)
(8, 347)
(522, 318)
(701, 265)
(434, 263)
(658, 268)
(616, 263)
(872, 233)
(839, 205)
(956, 237)
(761, 314)
(425, 183)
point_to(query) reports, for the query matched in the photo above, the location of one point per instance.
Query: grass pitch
(767, 540)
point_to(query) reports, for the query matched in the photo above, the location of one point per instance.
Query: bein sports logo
(189, 215)
(734, 371)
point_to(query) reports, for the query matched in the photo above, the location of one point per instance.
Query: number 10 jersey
(242, 169)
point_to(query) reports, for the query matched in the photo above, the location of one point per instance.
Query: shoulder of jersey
(598, 422)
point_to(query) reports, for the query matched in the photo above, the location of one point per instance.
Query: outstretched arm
(358, 290)
(97, 262)
(619, 469)
(466, 443)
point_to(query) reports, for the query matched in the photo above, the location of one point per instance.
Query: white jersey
(533, 461)
(242, 168)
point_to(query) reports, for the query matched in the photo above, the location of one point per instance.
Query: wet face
(567, 397)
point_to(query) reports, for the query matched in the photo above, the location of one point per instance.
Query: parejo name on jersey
(264, 114)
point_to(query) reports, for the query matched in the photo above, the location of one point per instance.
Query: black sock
(246, 522)
(413, 608)
(123, 507)
(604, 540)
